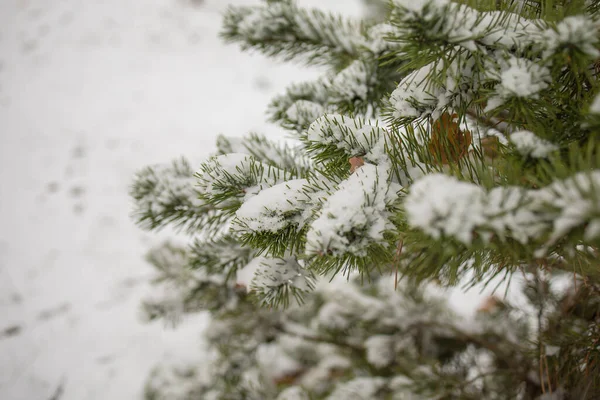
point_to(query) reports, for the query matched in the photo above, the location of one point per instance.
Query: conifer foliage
(449, 143)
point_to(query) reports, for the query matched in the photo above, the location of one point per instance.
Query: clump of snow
(304, 112)
(274, 208)
(355, 216)
(443, 205)
(518, 77)
(414, 94)
(528, 144)
(380, 350)
(578, 31)
(358, 389)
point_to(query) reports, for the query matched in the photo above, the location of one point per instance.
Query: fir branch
(167, 195)
(281, 29)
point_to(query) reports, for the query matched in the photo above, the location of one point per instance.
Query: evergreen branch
(281, 29)
(167, 195)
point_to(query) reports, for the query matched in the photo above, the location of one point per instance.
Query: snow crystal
(355, 216)
(274, 208)
(304, 112)
(575, 31)
(380, 350)
(357, 389)
(528, 144)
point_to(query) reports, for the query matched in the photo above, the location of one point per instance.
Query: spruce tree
(452, 144)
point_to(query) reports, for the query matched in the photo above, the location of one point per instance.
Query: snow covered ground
(91, 91)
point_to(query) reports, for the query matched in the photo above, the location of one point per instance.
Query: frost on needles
(445, 145)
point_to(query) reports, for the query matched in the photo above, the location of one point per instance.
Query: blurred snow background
(91, 91)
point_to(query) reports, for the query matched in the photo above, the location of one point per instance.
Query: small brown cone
(448, 141)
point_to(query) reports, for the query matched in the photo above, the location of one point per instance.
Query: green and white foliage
(446, 143)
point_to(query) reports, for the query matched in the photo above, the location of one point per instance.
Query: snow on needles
(350, 134)
(355, 216)
(517, 77)
(241, 172)
(353, 82)
(576, 31)
(304, 112)
(274, 208)
(442, 205)
(528, 144)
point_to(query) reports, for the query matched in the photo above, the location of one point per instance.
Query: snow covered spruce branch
(449, 143)
(166, 194)
(285, 30)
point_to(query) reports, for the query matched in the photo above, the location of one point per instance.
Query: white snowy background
(90, 92)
